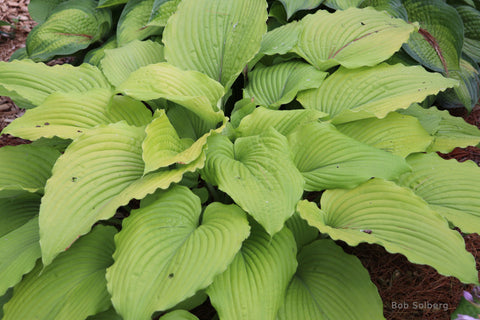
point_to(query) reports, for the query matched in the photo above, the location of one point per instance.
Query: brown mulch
(409, 291)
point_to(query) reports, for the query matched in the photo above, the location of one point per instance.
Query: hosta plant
(225, 162)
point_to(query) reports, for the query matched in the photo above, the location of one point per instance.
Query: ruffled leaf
(349, 95)
(471, 21)
(337, 161)
(215, 37)
(327, 280)
(394, 217)
(166, 252)
(258, 173)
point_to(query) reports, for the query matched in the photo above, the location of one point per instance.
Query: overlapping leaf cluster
(224, 117)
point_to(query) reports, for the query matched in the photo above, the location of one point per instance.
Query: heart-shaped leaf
(166, 251)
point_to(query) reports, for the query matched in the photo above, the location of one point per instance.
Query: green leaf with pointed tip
(448, 131)
(241, 109)
(279, 84)
(94, 56)
(133, 23)
(396, 133)
(327, 280)
(342, 4)
(384, 213)
(179, 315)
(393, 7)
(254, 284)
(352, 38)
(71, 27)
(448, 186)
(39, 10)
(120, 62)
(338, 161)
(191, 89)
(292, 6)
(30, 83)
(110, 314)
(19, 248)
(68, 115)
(25, 168)
(163, 10)
(258, 173)
(467, 93)
(284, 121)
(163, 147)
(438, 44)
(109, 3)
(72, 287)
(233, 30)
(166, 251)
(282, 39)
(349, 95)
(186, 123)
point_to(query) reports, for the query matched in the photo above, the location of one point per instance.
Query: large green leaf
(133, 22)
(39, 10)
(73, 287)
(109, 3)
(396, 133)
(19, 248)
(448, 131)
(342, 4)
(449, 187)
(179, 315)
(349, 95)
(352, 38)
(327, 280)
(94, 56)
(258, 173)
(4, 299)
(72, 26)
(253, 286)
(382, 212)
(68, 115)
(110, 314)
(292, 6)
(30, 83)
(471, 22)
(168, 249)
(393, 7)
(25, 168)
(162, 11)
(279, 84)
(216, 37)
(303, 233)
(282, 39)
(438, 45)
(284, 121)
(120, 62)
(191, 89)
(338, 161)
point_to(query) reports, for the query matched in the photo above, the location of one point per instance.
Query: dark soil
(399, 282)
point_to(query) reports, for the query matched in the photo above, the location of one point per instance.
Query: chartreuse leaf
(94, 56)
(72, 26)
(454, 198)
(179, 315)
(186, 123)
(19, 248)
(279, 84)
(163, 147)
(438, 45)
(384, 213)
(30, 83)
(326, 282)
(396, 133)
(133, 22)
(282, 39)
(338, 161)
(168, 250)
(162, 11)
(468, 92)
(25, 168)
(254, 284)
(118, 63)
(191, 89)
(72, 287)
(471, 22)
(352, 38)
(258, 173)
(110, 314)
(109, 3)
(342, 4)
(303, 233)
(39, 10)
(68, 115)
(393, 7)
(349, 95)
(447, 131)
(284, 121)
(292, 6)
(233, 30)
